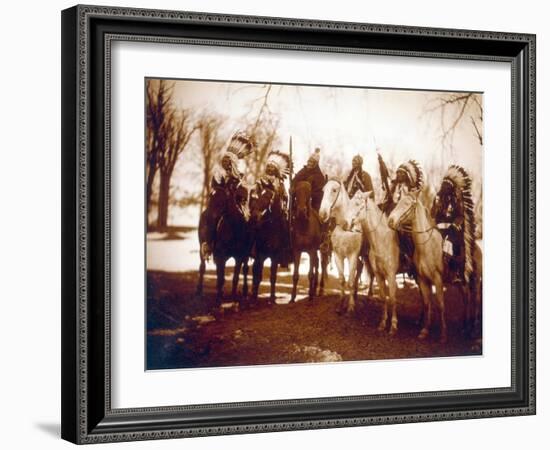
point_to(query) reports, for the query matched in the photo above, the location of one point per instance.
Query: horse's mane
(460, 179)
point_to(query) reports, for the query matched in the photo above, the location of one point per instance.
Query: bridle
(408, 229)
(336, 198)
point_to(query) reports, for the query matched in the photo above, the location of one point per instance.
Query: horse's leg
(316, 273)
(273, 278)
(440, 299)
(425, 293)
(358, 273)
(464, 289)
(220, 278)
(384, 296)
(324, 264)
(236, 273)
(370, 274)
(351, 282)
(311, 276)
(202, 268)
(257, 270)
(296, 275)
(477, 299)
(392, 289)
(245, 277)
(342, 281)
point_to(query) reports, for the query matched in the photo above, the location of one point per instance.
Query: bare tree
(458, 107)
(209, 126)
(158, 108)
(263, 129)
(179, 129)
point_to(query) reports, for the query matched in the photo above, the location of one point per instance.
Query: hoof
(423, 334)
(381, 327)
(393, 331)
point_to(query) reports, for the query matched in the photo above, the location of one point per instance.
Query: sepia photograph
(294, 224)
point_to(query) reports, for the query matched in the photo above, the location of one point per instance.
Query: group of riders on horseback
(262, 221)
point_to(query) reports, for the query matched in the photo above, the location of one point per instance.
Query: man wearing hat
(311, 173)
(358, 179)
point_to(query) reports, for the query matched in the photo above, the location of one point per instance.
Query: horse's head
(302, 199)
(218, 201)
(261, 201)
(331, 194)
(403, 212)
(233, 204)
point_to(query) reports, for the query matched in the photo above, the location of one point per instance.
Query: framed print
(268, 222)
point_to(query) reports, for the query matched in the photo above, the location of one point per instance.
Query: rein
(408, 229)
(335, 199)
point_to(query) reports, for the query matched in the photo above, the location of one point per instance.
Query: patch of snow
(312, 353)
(201, 320)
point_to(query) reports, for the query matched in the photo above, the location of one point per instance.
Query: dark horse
(305, 236)
(229, 212)
(270, 231)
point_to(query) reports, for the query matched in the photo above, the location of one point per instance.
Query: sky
(341, 121)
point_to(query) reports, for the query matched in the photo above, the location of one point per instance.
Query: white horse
(346, 242)
(428, 255)
(383, 253)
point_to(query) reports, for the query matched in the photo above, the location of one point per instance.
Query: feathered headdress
(240, 145)
(414, 173)
(281, 161)
(461, 183)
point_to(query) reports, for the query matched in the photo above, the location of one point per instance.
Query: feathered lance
(385, 175)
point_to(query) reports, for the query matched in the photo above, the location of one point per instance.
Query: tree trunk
(149, 192)
(164, 197)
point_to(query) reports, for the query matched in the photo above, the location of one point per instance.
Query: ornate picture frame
(88, 33)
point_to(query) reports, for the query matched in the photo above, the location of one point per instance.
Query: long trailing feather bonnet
(461, 182)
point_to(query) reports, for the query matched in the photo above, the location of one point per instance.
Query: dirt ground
(185, 331)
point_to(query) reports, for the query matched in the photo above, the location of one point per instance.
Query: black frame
(87, 31)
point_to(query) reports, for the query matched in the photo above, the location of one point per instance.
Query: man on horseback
(408, 176)
(311, 173)
(225, 183)
(276, 170)
(358, 179)
(449, 211)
